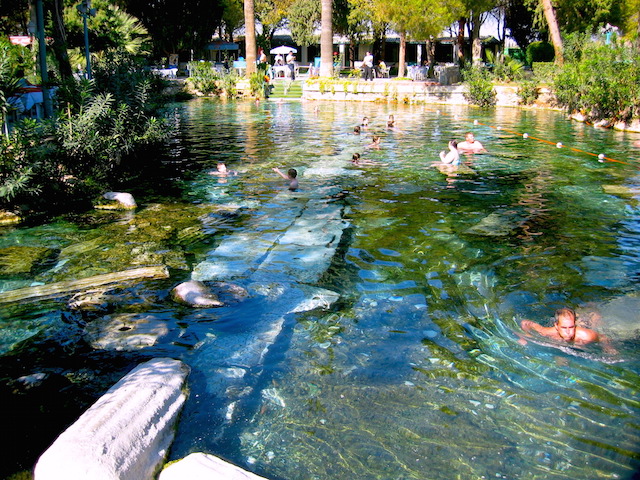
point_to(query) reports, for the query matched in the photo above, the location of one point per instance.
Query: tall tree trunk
(431, 56)
(59, 36)
(476, 43)
(250, 36)
(402, 53)
(460, 40)
(326, 38)
(554, 30)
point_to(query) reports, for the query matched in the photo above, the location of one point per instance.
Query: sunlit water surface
(416, 372)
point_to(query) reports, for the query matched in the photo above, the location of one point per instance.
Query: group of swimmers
(565, 328)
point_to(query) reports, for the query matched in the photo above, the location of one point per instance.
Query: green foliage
(480, 87)
(603, 84)
(528, 92)
(228, 84)
(304, 18)
(505, 69)
(539, 52)
(100, 123)
(203, 77)
(544, 72)
(27, 163)
(257, 84)
(111, 29)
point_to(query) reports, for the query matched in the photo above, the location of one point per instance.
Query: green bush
(544, 72)
(480, 87)
(539, 52)
(203, 77)
(505, 69)
(528, 92)
(100, 123)
(603, 84)
(257, 83)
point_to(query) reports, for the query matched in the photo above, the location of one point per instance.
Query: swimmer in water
(357, 160)
(452, 157)
(471, 145)
(375, 142)
(291, 176)
(565, 330)
(222, 171)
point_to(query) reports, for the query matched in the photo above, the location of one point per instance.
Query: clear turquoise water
(416, 372)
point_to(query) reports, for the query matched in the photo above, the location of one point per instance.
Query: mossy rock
(16, 260)
(9, 218)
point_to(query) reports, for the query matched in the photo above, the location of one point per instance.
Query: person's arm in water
(528, 326)
(279, 172)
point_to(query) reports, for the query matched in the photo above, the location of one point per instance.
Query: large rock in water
(126, 434)
(195, 294)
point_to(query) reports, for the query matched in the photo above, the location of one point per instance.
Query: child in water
(291, 176)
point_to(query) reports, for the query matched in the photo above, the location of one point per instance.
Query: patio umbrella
(283, 50)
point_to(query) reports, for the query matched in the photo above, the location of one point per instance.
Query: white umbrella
(283, 50)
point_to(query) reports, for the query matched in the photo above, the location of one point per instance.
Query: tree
(554, 30)
(177, 25)
(520, 22)
(304, 19)
(416, 19)
(111, 28)
(271, 15)
(326, 38)
(250, 36)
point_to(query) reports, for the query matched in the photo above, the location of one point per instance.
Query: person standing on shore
(367, 64)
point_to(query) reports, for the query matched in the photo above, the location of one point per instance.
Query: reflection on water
(416, 372)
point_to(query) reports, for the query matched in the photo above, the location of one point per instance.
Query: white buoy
(559, 144)
(498, 128)
(601, 157)
(525, 135)
(475, 122)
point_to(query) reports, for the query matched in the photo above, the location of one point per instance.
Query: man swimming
(470, 145)
(565, 330)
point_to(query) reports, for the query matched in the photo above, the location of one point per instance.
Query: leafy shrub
(505, 69)
(539, 52)
(228, 83)
(603, 84)
(528, 92)
(257, 83)
(544, 72)
(203, 77)
(100, 123)
(480, 87)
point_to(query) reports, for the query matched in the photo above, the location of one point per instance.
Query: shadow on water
(413, 369)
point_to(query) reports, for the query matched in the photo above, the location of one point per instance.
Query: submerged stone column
(126, 434)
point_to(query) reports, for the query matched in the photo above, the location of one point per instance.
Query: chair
(384, 71)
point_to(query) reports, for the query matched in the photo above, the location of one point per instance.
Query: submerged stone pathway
(279, 257)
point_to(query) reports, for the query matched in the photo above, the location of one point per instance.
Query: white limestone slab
(125, 435)
(202, 466)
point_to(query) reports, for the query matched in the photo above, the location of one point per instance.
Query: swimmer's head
(365, 121)
(469, 137)
(356, 129)
(292, 172)
(453, 143)
(355, 157)
(565, 324)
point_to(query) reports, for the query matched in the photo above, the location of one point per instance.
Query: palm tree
(250, 35)
(326, 38)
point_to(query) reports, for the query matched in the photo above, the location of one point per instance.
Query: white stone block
(201, 466)
(125, 435)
